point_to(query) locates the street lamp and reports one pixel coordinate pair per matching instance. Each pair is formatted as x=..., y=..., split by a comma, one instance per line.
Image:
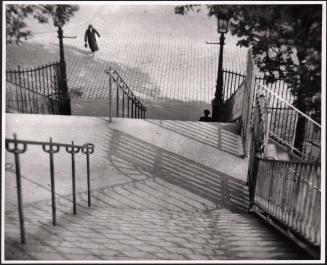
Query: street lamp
x=223, y=22
x=65, y=107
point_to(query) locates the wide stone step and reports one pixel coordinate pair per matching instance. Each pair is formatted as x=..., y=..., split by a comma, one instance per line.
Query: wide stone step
x=106, y=233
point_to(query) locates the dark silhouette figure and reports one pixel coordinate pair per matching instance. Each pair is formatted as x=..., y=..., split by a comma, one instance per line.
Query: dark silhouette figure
x=91, y=39
x=206, y=116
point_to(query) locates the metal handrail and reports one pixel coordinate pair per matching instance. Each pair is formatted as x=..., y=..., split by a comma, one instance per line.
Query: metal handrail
x=137, y=109
x=32, y=91
x=288, y=104
x=285, y=123
x=129, y=91
x=22, y=99
x=41, y=79
x=18, y=147
x=32, y=69
x=232, y=81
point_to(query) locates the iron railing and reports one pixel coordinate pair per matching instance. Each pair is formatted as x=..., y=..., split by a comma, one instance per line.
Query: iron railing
x=18, y=147
x=283, y=124
x=290, y=193
x=127, y=104
x=34, y=90
x=238, y=107
x=284, y=116
x=232, y=81
x=43, y=79
x=284, y=193
x=23, y=100
x=279, y=87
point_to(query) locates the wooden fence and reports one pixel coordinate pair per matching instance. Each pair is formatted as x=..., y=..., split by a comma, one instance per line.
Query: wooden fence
x=291, y=193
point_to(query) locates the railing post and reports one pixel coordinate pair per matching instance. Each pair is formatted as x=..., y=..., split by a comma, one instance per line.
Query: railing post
x=132, y=107
x=117, y=99
x=266, y=136
x=16, y=152
x=253, y=180
x=51, y=151
x=123, y=104
x=24, y=106
x=88, y=149
x=73, y=150
x=110, y=93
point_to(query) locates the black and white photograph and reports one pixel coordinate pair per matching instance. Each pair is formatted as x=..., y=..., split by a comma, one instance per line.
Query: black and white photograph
x=163, y=132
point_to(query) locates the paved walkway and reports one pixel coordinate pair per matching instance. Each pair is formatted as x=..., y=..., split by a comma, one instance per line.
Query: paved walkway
x=161, y=190
x=163, y=58
x=108, y=233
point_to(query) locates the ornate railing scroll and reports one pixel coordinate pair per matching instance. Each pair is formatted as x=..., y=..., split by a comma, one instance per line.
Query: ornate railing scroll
x=18, y=147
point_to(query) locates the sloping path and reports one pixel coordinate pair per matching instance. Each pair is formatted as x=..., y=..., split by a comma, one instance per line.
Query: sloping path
x=162, y=190
x=162, y=56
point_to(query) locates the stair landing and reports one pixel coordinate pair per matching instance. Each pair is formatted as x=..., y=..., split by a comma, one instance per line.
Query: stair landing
x=161, y=190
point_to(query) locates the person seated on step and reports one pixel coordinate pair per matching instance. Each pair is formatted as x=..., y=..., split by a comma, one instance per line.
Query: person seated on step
x=206, y=116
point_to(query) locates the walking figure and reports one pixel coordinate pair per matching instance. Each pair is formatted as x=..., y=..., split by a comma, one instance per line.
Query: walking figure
x=91, y=39
x=206, y=116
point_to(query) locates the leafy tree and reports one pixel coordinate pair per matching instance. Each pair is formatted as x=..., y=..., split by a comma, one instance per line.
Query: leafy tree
x=276, y=33
x=16, y=14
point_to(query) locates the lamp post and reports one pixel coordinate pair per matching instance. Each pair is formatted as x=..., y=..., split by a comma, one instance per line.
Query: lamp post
x=64, y=101
x=218, y=100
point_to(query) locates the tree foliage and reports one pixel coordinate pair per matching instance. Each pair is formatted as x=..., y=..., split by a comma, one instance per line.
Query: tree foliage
x=277, y=34
x=16, y=15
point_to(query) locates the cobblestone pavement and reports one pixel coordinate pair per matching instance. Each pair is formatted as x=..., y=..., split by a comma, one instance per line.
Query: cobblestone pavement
x=158, y=62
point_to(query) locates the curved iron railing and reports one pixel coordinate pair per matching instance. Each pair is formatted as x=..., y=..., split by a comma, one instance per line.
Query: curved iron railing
x=18, y=147
x=23, y=100
x=232, y=81
x=127, y=104
x=42, y=79
x=35, y=90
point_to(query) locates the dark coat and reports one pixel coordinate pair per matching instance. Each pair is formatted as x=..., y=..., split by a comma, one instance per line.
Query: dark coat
x=205, y=118
x=90, y=37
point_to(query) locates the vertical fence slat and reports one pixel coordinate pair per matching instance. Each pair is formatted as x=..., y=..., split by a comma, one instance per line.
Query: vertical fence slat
x=290, y=192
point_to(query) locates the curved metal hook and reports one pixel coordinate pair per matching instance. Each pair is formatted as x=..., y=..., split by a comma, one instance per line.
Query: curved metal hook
x=53, y=148
x=88, y=148
x=15, y=149
x=73, y=149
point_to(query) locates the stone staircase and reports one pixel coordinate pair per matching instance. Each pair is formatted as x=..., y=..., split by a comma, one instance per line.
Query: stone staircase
x=104, y=232
x=162, y=190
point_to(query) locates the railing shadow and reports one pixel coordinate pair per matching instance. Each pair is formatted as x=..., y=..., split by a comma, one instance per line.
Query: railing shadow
x=183, y=214
x=220, y=189
x=221, y=136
